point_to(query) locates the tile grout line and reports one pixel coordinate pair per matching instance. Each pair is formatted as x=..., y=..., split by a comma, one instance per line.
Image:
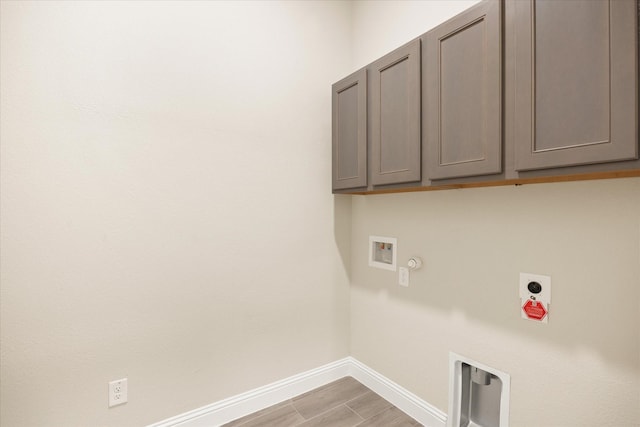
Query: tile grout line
x=267, y=411
x=362, y=419
x=361, y=393
x=329, y=410
x=372, y=415
x=317, y=415
x=377, y=413
x=298, y=412
x=330, y=385
x=359, y=416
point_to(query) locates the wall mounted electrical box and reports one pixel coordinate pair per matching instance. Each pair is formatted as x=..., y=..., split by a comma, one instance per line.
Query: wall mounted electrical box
x=383, y=252
x=535, y=297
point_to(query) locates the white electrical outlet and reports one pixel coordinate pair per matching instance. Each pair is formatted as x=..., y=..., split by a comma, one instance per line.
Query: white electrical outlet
x=117, y=392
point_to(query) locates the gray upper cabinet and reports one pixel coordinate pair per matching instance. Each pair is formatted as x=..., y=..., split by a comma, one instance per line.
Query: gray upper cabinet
x=349, y=131
x=576, y=86
x=462, y=122
x=506, y=92
x=395, y=116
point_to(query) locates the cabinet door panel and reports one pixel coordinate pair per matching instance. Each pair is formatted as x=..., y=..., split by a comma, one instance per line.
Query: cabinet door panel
x=395, y=116
x=349, y=104
x=463, y=97
x=576, y=82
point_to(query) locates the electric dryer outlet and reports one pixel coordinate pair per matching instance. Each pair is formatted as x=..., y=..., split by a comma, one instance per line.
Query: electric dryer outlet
x=535, y=297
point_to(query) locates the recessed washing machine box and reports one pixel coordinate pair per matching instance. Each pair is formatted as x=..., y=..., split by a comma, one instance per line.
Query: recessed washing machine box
x=478, y=394
x=383, y=252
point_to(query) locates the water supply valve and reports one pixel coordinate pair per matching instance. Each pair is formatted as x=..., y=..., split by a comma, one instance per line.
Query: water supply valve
x=414, y=263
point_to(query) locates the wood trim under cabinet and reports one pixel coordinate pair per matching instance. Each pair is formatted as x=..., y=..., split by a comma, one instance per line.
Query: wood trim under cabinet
x=633, y=173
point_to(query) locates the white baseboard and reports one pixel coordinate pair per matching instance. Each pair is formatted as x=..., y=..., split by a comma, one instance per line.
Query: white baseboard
x=226, y=410
x=409, y=403
x=243, y=404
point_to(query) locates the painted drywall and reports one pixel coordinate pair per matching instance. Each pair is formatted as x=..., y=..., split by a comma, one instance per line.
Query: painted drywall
x=583, y=368
x=380, y=26
x=166, y=207
x=165, y=216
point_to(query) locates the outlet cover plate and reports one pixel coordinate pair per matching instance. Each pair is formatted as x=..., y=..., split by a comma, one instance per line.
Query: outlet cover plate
x=118, y=393
x=403, y=276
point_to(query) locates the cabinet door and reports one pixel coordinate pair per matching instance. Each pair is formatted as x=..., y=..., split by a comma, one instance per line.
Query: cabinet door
x=463, y=94
x=349, y=131
x=395, y=116
x=575, y=82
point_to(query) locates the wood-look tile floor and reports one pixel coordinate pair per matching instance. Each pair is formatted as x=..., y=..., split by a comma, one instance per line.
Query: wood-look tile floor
x=342, y=403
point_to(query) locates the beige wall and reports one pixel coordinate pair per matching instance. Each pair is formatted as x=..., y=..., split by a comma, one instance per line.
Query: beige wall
x=166, y=212
x=166, y=216
x=583, y=368
x=379, y=26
